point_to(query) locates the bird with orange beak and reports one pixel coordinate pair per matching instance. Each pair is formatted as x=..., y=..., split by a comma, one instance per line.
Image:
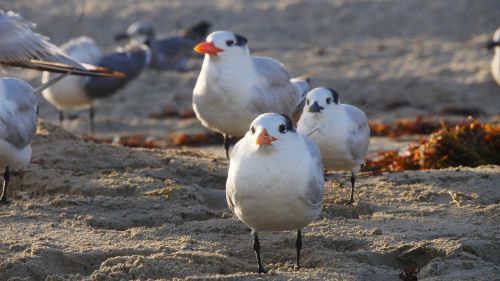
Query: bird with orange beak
x=233, y=87
x=275, y=179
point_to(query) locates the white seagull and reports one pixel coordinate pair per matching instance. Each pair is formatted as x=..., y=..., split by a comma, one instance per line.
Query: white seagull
x=233, y=87
x=77, y=92
x=340, y=130
x=275, y=179
x=18, y=117
x=495, y=63
x=21, y=47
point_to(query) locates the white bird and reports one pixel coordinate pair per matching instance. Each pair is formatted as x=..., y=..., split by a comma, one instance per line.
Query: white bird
x=233, y=87
x=21, y=47
x=275, y=179
x=18, y=117
x=77, y=92
x=495, y=63
x=340, y=130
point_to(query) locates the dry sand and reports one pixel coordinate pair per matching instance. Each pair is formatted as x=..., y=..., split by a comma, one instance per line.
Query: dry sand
x=86, y=211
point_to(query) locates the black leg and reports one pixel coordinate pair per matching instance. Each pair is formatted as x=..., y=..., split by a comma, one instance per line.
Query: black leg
x=61, y=116
x=298, y=245
x=256, y=248
x=226, y=145
x=353, y=181
x=6, y=178
x=91, y=119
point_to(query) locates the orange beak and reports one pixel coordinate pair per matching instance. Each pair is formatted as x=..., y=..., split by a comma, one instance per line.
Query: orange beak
x=264, y=138
x=207, y=48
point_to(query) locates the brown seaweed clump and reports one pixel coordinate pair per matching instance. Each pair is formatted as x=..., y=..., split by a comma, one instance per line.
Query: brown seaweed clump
x=469, y=143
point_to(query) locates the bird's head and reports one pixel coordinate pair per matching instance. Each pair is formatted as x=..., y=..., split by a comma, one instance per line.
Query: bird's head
x=321, y=100
x=269, y=130
x=223, y=44
x=495, y=42
x=140, y=32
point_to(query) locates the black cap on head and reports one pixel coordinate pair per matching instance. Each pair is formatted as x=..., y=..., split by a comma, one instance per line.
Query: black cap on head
x=289, y=127
x=335, y=95
x=240, y=40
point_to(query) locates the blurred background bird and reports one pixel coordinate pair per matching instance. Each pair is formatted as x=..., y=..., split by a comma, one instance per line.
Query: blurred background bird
x=78, y=92
x=169, y=52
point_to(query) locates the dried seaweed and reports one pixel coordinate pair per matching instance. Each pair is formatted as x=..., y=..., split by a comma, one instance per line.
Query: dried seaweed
x=469, y=143
x=421, y=125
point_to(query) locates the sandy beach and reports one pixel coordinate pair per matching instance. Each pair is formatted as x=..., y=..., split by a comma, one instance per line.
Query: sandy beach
x=91, y=211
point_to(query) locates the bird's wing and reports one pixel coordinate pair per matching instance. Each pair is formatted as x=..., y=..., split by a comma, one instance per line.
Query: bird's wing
x=314, y=193
x=360, y=135
x=18, y=42
x=18, y=112
x=83, y=49
x=130, y=63
x=275, y=91
x=21, y=47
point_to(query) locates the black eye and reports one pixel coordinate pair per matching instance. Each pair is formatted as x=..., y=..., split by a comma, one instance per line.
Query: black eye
x=282, y=128
x=229, y=43
x=253, y=130
x=328, y=100
x=307, y=101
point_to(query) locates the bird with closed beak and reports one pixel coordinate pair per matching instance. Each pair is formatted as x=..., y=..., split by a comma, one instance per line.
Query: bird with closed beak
x=233, y=87
x=340, y=130
x=275, y=179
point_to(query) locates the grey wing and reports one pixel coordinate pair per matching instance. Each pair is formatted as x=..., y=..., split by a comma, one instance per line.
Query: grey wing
x=360, y=136
x=275, y=93
x=230, y=195
x=316, y=180
x=18, y=42
x=18, y=122
x=129, y=63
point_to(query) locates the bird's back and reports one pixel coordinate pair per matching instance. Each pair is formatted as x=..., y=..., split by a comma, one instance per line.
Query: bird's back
x=131, y=63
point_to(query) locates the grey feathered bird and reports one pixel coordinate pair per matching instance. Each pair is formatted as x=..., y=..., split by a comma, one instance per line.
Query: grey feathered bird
x=18, y=117
x=169, y=52
x=74, y=92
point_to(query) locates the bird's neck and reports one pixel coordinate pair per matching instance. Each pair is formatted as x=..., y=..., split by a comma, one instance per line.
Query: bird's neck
x=235, y=71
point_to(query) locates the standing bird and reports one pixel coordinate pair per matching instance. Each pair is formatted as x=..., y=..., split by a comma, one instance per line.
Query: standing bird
x=18, y=117
x=75, y=92
x=275, y=179
x=233, y=87
x=340, y=130
x=169, y=52
x=495, y=63
x=21, y=47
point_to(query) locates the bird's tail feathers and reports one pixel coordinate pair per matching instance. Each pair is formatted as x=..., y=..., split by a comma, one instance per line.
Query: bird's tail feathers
x=198, y=31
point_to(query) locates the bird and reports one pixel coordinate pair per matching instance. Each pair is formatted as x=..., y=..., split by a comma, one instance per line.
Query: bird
x=275, y=179
x=494, y=44
x=169, y=52
x=341, y=131
x=18, y=118
x=77, y=92
x=21, y=47
x=234, y=87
